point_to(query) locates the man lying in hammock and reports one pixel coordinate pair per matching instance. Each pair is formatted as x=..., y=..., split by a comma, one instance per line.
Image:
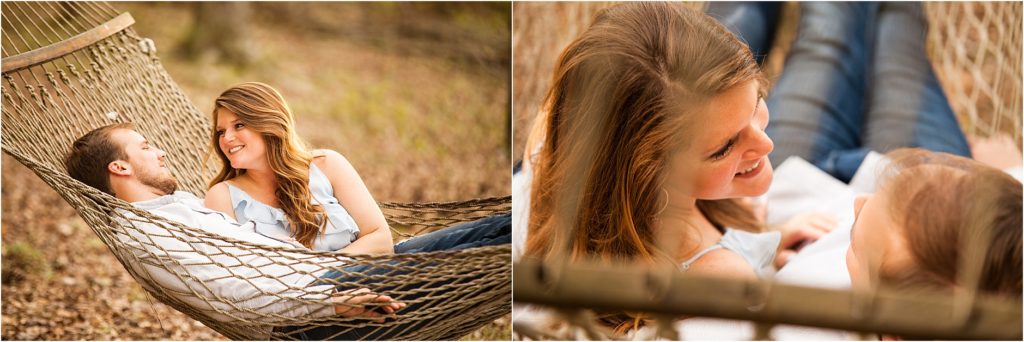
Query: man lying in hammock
x=119, y=161
x=223, y=280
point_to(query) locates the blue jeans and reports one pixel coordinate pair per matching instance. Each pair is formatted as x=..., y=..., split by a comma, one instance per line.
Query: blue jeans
x=856, y=79
x=489, y=231
x=752, y=22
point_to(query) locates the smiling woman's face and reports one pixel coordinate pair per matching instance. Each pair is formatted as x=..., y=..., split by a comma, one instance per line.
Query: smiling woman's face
x=243, y=146
x=728, y=156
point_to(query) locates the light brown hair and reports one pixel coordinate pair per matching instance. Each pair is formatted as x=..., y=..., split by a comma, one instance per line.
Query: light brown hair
x=957, y=217
x=622, y=93
x=262, y=108
x=90, y=154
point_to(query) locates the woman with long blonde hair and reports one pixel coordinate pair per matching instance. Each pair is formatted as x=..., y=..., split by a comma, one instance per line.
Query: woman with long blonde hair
x=313, y=199
x=652, y=128
x=270, y=177
x=653, y=125
x=316, y=199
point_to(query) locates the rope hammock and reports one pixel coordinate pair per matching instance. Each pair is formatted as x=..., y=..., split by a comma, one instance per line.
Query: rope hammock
x=975, y=49
x=70, y=67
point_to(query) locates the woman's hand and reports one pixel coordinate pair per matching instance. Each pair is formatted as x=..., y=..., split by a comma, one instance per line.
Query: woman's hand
x=999, y=151
x=350, y=304
x=800, y=231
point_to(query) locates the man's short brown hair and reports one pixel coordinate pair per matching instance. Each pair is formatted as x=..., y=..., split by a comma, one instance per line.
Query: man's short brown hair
x=87, y=162
x=947, y=208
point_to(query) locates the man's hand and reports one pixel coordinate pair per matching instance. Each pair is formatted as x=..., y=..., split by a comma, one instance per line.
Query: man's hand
x=351, y=304
x=999, y=151
x=800, y=231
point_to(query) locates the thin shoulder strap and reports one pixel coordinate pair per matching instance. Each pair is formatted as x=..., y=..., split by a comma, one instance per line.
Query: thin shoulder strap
x=312, y=167
x=686, y=264
x=319, y=175
x=237, y=195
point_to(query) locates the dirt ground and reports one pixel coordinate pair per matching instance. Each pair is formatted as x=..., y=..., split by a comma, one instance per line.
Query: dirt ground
x=420, y=109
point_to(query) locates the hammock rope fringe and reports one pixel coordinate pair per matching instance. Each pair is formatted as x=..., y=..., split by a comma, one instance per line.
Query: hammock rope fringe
x=70, y=67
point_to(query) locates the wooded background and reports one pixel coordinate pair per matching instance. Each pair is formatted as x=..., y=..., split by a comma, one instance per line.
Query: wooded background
x=415, y=95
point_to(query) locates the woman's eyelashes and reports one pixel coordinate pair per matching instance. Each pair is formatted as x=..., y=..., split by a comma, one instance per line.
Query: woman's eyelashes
x=724, y=151
x=721, y=153
x=220, y=132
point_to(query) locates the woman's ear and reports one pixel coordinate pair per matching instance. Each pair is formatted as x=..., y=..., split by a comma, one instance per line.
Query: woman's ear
x=119, y=167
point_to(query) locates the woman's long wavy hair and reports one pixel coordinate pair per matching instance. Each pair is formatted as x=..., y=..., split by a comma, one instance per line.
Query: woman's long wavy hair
x=619, y=105
x=262, y=108
x=621, y=101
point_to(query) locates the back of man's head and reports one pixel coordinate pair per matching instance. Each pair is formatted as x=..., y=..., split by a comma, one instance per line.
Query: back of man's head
x=87, y=162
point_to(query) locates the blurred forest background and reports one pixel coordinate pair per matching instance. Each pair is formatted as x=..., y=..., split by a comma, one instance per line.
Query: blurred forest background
x=415, y=95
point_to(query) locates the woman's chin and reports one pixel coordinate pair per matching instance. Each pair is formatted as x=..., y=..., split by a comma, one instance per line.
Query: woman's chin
x=756, y=186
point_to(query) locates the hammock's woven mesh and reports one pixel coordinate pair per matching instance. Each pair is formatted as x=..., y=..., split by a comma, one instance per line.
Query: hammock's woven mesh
x=50, y=102
x=975, y=48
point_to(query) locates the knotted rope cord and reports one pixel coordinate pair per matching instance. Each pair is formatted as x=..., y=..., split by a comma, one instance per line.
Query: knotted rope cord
x=54, y=99
x=433, y=215
x=975, y=49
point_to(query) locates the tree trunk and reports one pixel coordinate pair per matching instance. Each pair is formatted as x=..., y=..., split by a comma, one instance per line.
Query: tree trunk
x=221, y=33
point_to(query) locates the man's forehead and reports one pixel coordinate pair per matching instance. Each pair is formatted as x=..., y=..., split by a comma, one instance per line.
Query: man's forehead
x=128, y=136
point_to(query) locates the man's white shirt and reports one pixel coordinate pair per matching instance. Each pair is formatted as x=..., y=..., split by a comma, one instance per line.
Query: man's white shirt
x=239, y=283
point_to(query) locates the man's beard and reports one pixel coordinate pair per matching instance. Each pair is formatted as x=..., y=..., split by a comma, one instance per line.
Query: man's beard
x=167, y=184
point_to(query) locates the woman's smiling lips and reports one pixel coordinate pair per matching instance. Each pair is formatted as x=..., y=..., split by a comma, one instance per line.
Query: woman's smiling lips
x=753, y=170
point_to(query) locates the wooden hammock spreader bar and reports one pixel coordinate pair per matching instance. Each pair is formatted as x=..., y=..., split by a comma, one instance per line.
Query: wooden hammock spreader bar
x=67, y=46
x=919, y=315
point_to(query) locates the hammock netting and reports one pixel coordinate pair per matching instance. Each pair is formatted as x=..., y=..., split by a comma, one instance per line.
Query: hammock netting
x=975, y=49
x=70, y=67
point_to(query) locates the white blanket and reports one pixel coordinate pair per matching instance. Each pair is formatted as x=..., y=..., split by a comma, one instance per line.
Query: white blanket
x=800, y=187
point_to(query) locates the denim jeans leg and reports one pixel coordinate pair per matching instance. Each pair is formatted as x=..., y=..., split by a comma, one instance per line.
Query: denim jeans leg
x=817, y=105
x=491, y=230
x=488, y=231
x=907, y=105
x=753, y=22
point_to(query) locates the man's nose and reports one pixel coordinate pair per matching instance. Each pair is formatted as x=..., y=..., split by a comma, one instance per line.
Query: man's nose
x=858, y=203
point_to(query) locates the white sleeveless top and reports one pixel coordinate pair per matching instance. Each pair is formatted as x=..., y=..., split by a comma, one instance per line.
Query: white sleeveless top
x=273, y=223
x=758, y=249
